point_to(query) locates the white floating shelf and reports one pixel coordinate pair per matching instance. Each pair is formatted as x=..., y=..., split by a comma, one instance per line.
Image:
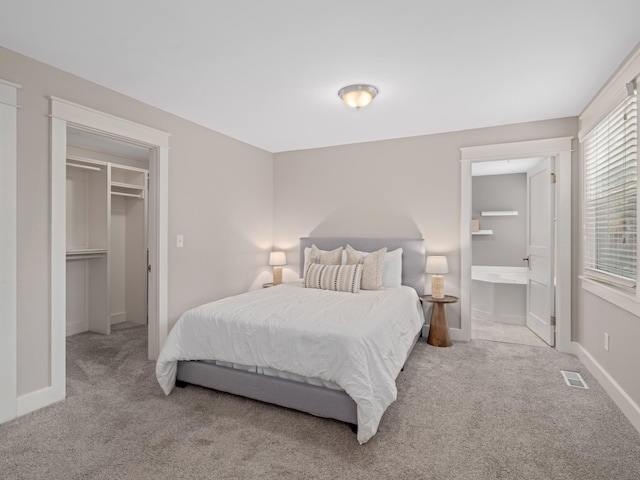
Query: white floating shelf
x=500, y=213
x=483, y=232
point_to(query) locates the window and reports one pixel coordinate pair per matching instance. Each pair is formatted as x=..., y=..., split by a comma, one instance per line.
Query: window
x=610, y=196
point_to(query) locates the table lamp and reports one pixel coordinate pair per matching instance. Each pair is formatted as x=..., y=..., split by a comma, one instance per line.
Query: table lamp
x=437, y=266
x=276, y=260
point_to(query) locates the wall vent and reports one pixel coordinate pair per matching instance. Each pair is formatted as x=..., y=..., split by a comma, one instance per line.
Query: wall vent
x=573, y=379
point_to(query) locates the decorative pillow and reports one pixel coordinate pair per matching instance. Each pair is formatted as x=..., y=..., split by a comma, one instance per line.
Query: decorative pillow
x=372, y=266
x=307, y=250
x=341, y=278
x=392, y=269
x=333, y=257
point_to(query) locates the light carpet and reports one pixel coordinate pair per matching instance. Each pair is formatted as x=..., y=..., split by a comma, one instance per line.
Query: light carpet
x=477, y=410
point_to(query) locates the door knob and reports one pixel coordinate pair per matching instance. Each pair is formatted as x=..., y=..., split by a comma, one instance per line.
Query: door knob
x=526, y=259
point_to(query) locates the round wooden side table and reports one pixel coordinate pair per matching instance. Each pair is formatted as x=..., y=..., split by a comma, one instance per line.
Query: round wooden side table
x=438, y=329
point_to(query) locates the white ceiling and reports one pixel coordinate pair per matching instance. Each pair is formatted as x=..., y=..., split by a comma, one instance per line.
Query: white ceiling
x=268, y=72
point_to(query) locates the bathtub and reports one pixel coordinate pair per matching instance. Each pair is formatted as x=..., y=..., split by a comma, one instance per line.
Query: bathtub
x=499, y=294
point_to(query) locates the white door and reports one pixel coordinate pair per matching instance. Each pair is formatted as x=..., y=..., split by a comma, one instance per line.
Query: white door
x=540, y=250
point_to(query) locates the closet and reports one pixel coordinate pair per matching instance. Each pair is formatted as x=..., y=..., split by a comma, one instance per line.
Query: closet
x=106, y=222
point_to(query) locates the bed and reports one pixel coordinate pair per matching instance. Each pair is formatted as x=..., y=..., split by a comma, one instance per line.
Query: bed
x=303, y=348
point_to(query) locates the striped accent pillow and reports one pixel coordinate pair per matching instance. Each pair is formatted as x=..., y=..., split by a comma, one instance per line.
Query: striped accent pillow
x=341, y=278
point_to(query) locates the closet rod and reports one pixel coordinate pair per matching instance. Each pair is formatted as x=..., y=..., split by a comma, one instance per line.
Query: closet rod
x=84, y=257
x=127, y=194
x=86, y=167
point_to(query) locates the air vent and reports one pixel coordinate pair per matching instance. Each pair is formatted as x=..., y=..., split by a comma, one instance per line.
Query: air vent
x=573, y=379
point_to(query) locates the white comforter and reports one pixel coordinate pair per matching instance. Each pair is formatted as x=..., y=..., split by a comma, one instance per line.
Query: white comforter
x=358, y=341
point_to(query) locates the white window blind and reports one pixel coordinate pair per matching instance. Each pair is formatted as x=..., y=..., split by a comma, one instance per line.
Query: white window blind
x=610, y=196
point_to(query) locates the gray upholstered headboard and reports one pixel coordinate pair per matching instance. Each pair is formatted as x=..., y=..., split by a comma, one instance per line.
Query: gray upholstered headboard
x=413, y=253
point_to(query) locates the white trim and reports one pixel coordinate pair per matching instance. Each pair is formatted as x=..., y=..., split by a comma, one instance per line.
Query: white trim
x=603, y=110
x=620, y=298
x=561, y=148
x=86, y=118
x=11, y=85
x=610, y=278
x=604, y=101
x=158, y=242
x=465, y=250
x=67, y=114
x=30, y=402
x=624, y=402
x=563, y=246
x=8, y=250
x=57, y=282
x=514, y=150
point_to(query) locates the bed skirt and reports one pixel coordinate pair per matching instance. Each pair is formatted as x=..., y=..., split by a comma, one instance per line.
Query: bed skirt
x=316, y=400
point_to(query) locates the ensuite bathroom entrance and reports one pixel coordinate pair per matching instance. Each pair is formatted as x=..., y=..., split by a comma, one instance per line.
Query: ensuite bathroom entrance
x=513, y=251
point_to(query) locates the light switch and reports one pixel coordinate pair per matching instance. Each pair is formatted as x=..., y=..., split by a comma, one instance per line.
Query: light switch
x=180, y=241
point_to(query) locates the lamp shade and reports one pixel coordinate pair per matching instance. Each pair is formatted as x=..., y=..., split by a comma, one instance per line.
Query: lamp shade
x=277, y=258
x=437, y=265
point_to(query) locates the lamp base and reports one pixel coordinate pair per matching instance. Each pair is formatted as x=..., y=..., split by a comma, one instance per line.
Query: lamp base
x=277, y=275
x=437, y=286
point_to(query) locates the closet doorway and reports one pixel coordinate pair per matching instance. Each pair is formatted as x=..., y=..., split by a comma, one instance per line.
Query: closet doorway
x=106, y=233
x=66, y=117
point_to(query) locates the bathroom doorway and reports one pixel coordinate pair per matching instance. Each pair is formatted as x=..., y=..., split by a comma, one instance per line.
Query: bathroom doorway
x=559, y=270
x=507, y=196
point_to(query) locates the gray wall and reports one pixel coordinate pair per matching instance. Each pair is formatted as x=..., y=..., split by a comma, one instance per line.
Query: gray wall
x=596, y=315
x=508, y=243
x=394, y=188
x=220, y=198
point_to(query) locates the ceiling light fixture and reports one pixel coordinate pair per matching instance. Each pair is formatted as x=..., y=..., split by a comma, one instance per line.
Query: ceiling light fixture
x=358, y=96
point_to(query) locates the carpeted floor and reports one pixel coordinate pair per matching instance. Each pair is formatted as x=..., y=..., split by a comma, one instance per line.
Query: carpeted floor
x=478, y=410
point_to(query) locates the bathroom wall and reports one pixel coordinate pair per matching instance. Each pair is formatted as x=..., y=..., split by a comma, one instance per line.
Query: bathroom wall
x=508, y=243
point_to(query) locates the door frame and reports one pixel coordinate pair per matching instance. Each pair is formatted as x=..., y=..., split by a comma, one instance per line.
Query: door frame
x=562, y=150
x=8, y=250
x=67, y=114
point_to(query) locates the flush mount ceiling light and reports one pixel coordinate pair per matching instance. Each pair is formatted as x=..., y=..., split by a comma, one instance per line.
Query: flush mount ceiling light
x=358, y=96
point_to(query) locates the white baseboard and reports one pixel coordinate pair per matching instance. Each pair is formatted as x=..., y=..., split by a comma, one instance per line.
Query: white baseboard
x=511, y=320
x=480, y=314
x=119, y=317
x=615, y=391
x=8, y=410
x=456, y=335
x=33, y=401
x=425, y=331
x=75, y=328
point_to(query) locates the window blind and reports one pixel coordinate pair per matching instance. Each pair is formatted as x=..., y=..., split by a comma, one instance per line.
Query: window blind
x=610, y=153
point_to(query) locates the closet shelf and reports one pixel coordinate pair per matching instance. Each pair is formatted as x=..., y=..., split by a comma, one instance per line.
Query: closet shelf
x=483, y=232
x=127, y=185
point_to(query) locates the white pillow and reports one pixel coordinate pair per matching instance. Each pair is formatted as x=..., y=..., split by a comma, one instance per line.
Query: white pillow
x=391, y=269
